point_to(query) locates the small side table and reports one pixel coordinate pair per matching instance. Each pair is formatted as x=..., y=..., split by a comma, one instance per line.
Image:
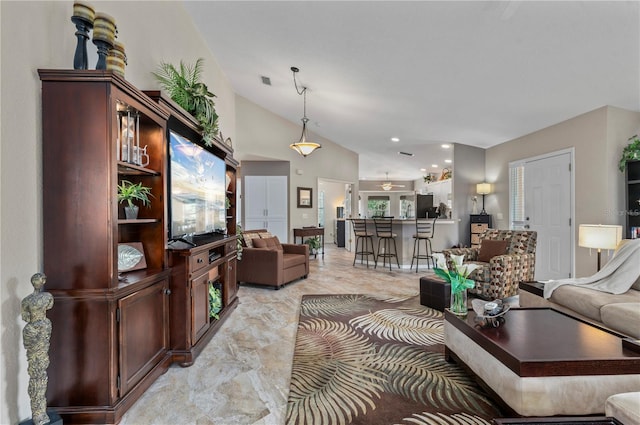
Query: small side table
x=309, y=231
x=435, y=293
x=479, y=223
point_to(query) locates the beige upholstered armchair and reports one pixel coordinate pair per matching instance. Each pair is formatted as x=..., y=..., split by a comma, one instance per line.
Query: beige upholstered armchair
x=506, y=259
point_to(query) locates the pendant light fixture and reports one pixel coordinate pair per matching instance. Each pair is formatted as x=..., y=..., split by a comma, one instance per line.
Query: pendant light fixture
x=303, y=146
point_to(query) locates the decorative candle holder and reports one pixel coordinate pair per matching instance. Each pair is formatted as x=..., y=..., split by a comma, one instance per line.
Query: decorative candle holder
x=83, y=16
x=117, y=59
x=104, y=35
x=103, y=51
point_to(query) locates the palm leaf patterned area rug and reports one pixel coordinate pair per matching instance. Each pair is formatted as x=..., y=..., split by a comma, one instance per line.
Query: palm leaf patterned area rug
x=363, y=359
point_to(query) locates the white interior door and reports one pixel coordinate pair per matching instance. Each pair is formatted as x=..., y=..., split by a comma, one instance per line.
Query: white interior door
x=547, y=206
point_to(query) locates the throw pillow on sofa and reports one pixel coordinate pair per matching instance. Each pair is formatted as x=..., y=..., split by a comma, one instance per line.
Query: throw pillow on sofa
x=269, y=243
x=491, y=248
x=248, y=239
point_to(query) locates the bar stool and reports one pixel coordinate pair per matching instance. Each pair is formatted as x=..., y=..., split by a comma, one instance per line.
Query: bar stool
x=425, y=229
x=363, y=237
x=385, y=236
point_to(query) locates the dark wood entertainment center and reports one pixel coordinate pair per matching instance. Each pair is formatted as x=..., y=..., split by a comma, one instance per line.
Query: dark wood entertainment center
x=115, y=333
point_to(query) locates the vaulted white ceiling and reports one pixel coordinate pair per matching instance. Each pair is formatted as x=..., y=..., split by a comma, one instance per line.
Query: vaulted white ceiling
x=428, y=72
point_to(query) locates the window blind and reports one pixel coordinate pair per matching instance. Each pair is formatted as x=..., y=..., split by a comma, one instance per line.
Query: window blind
x=516, y=196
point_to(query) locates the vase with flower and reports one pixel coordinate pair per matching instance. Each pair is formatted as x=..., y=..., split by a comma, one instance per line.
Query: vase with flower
x=457, y=278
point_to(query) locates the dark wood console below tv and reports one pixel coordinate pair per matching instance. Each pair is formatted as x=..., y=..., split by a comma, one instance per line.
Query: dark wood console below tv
x=193, y=269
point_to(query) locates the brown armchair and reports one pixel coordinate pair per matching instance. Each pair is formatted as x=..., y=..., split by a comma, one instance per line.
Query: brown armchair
x=500, y=276
x=266, y=261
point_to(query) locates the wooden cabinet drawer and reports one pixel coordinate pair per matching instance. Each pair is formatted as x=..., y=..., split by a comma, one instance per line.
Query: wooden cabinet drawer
x=479, y=227
x=480, y=218
x=199, y=261
x=230, y=247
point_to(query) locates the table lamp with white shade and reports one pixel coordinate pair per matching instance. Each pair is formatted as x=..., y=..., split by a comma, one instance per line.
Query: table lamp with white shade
x=483, y=189
x=599, y=236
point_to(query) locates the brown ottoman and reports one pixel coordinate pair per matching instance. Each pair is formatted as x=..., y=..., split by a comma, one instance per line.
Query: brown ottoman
x=435, y=293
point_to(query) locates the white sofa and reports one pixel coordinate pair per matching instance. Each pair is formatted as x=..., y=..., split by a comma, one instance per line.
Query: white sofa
x=620, y=313
x=625, y=407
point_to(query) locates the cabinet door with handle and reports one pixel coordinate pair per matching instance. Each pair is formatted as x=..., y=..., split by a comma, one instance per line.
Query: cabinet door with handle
x=230, y=290
x=143, y=332
x=200, y=303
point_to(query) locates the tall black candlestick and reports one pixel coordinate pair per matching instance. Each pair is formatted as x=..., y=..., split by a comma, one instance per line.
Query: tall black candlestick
x=103, y=51
x=80, y=59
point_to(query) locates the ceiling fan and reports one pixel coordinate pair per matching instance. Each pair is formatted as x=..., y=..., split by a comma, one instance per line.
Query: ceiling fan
x=387, y=185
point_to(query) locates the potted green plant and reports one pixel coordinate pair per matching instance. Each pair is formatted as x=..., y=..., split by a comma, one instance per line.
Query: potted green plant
x=314, y=244
x=129, y=192
x=185, y=88
x=215, y=301
x=630, y=152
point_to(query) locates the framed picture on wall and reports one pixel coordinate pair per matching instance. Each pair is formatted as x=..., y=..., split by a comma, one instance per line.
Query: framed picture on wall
x=304, y=197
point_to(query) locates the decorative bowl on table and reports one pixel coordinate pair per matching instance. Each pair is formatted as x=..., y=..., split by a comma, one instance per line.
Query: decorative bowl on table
x=489, y=313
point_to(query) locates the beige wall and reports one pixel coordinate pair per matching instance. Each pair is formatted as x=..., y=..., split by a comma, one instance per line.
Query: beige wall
x=48, y=41
x=597, y=138
x=264, y=136
x=469, y=170
x=621, y=124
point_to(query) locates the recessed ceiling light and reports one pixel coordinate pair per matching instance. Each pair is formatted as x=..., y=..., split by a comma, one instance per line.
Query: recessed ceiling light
x=423, y=169
x=395, y=139
x=445, y=146
x=434, y=165
x=448, y=161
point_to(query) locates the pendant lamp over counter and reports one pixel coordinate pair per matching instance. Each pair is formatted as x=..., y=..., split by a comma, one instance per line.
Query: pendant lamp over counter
x=303, y=146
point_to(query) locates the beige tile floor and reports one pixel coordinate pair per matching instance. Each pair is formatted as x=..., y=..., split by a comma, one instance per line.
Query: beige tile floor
x=242, y=376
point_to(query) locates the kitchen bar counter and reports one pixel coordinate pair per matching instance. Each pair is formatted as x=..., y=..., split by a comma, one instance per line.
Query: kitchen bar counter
x=445, y=236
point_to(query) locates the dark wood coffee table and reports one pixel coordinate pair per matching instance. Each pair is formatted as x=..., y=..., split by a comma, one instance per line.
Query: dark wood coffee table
x=542, y=362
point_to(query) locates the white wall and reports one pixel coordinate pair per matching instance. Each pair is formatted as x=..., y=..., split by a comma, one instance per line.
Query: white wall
x=40, y=35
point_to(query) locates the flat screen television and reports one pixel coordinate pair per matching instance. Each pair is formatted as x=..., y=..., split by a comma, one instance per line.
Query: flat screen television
x=197, y=191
